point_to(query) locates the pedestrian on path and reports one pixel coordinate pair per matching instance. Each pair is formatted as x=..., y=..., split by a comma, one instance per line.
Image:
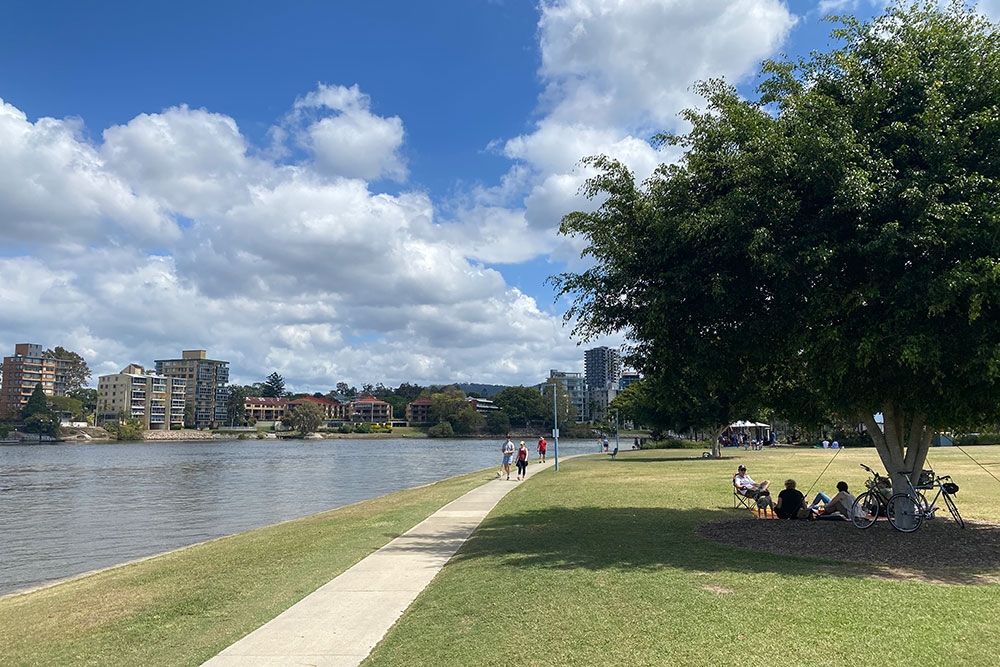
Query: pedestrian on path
x=542, y=446
x=522, y=462
x=508, y=456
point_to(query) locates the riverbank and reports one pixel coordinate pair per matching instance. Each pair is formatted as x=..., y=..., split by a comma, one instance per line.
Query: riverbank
x=601, y=563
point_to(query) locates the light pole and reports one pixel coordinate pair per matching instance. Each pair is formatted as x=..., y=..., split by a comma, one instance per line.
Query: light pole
x=555, y=418
x=616, y=427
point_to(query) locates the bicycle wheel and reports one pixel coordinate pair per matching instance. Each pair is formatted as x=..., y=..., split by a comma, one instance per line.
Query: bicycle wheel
x=954, y=510
x=865, y=510
x=905, y=514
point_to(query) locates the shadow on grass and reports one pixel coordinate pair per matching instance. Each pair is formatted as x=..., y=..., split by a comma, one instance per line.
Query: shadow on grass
x=600, y=538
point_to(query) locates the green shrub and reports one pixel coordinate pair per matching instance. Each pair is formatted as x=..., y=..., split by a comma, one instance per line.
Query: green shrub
x=442, y=430
x=676, y=443
x=977, y=439
x=344, y=428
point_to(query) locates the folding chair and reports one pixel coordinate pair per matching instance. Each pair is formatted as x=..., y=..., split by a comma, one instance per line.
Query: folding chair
x=743, y=499
x=748, y=500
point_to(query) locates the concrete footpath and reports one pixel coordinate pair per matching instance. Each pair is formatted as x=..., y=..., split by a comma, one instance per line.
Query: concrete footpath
x=340, y=623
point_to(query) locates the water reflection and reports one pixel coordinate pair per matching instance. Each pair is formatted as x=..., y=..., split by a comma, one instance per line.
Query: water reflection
x=67, y=509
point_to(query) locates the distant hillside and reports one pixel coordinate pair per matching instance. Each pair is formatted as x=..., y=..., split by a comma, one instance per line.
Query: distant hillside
x=487, y=390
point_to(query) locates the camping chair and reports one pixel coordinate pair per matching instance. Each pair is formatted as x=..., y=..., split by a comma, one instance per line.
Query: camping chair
x=743, y=499
x=748, y=500
x=614, y=454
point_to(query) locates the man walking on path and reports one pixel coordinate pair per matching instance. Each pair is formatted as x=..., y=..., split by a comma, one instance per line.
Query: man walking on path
x=542, y=446
x=508, y=455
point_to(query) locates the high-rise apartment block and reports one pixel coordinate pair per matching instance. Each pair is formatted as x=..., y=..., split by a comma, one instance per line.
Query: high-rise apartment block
x=157, y=401
x=602, y=368
x=23, y=371
x=576, y=387
x=206, y=384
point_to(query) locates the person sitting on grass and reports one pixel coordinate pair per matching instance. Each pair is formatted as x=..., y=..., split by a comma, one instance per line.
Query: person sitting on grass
x=790, y=501
x=840, y=504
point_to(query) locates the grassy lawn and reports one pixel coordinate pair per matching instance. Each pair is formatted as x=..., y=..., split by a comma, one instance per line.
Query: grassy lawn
x=182, y=608
x=600, y=564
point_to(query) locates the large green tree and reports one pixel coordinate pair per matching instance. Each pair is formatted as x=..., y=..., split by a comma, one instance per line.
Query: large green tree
x=274, y=386
x=306, y=418
x=841, y=236
x=75, y=370
x=236, y=410
x=522, y=405
x=37, y=416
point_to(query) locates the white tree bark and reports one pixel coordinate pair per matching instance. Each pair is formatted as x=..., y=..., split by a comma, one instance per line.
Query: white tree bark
x=716, y=431
x=903, y=450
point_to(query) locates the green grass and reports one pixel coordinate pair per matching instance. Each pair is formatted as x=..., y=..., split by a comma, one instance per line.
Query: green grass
x=600, y=564
x=184, y=607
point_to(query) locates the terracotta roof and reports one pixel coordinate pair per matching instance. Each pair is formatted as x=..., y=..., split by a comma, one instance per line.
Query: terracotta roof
x=313, y=399
x=264, y=400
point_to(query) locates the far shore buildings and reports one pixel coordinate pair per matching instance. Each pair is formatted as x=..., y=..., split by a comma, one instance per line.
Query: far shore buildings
x=22, y=371
x=418, y=411
x=602, y=369
x=362, y=409
x=206, y=385
x=156, y=401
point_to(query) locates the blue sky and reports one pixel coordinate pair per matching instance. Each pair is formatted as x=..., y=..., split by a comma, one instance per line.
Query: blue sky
x=359, y=192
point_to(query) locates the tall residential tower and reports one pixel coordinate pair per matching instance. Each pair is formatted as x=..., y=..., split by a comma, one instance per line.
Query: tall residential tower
x=206, y=385
x=602, y=368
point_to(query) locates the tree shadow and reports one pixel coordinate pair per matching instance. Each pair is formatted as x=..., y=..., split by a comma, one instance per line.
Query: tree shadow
x=600, y=538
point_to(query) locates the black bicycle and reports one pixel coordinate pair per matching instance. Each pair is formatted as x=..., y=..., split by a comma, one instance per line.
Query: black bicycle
x=868, y=505
x=907, y=511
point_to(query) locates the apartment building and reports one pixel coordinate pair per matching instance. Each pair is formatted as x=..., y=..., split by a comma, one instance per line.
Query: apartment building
x=332, y=410
x=602, y=369
x=21, y=373
x=418, y=411
x=265, y=408
x=157, y=401
x=206, y=384
x=370, y=409
x=483, y=406
x=576, y=387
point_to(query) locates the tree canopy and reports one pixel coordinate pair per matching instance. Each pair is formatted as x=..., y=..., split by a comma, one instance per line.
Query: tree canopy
x=306, y=418
x=521, y=404
x=274, y=386
x=831, y=246
x=75, y=371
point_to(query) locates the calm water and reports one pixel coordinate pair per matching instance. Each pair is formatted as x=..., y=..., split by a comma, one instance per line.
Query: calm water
x=68, y=509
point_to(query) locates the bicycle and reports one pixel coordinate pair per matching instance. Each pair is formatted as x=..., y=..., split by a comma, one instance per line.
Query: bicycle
x=868, y=505
x=907, y=511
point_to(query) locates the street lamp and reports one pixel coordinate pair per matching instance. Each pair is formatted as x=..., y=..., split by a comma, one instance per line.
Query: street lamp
x=555, y=418
x=616, y=427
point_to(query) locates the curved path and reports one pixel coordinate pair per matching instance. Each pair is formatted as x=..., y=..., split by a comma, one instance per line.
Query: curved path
x=339, y=624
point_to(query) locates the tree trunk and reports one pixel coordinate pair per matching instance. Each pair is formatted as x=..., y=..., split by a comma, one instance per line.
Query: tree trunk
x=716, y=431
x=902, y=447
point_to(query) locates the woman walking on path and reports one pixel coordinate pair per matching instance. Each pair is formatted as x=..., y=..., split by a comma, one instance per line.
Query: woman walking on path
x=522, y=461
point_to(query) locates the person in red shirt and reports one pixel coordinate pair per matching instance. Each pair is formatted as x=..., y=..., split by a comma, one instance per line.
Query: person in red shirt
x=542, y=445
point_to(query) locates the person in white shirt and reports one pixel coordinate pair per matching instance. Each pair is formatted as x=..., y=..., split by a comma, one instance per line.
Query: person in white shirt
x=743, y=481
x=756, y=490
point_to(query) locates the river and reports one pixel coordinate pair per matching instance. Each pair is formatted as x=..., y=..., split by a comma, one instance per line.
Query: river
x=70, y=509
